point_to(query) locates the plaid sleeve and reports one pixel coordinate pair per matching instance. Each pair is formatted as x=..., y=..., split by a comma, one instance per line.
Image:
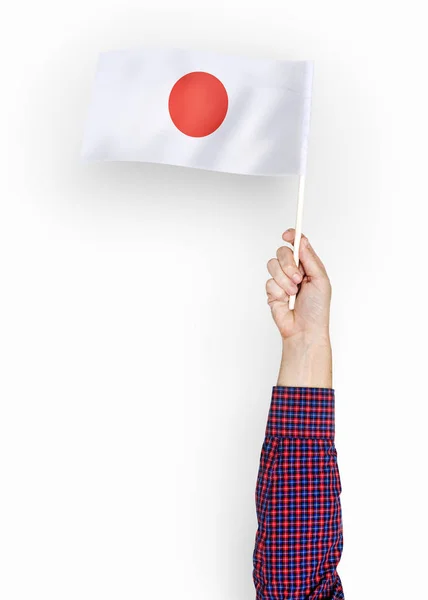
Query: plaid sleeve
x=299, y=536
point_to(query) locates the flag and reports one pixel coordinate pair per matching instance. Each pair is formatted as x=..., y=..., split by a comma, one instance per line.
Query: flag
x=201, y=110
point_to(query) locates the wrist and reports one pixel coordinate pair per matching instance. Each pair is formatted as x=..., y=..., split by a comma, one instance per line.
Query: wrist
x=306, y=360
x=313, y=338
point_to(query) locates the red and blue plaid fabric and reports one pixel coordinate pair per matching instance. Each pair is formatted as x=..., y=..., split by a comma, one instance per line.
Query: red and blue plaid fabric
x=299, y=536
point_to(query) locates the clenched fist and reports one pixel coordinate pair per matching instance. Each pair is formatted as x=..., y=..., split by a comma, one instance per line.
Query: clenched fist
x=306, y=350
x=309, y=281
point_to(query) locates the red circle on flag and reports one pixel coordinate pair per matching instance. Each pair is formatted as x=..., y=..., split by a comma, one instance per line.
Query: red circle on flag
x=198, y=104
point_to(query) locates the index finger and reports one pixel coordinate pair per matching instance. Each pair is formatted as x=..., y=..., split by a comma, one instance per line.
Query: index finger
x=310, y=260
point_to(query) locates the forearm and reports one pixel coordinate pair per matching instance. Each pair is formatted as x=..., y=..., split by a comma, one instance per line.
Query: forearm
x=299, y=538
x=298, y=474
x=306, y=361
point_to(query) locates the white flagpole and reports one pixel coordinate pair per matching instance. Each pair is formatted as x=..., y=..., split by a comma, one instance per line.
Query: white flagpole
x=303, y=160
x=299, y=221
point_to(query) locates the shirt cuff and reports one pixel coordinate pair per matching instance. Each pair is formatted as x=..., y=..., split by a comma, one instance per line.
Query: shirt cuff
x=301, y=412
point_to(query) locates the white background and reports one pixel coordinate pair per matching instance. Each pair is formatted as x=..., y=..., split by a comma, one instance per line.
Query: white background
x=137, y=351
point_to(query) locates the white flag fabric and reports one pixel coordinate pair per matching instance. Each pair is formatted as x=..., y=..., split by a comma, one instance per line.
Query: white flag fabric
x=201, y=110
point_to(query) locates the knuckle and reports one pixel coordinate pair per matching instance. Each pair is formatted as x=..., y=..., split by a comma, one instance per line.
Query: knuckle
x=280, y=252
x=269, y=285
x=271, y=263
x=283, y=253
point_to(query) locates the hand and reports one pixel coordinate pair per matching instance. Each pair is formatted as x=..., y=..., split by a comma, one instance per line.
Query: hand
x=311, y=284
x=306, y=350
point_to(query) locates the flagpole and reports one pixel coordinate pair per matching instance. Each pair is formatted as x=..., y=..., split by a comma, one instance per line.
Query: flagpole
x=298, y=230
x=303, y=161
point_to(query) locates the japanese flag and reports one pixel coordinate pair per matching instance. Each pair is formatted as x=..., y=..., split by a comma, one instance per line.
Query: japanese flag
x=201, y=110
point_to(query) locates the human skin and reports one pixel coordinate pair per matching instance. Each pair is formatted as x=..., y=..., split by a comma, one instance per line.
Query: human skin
x=305, y=331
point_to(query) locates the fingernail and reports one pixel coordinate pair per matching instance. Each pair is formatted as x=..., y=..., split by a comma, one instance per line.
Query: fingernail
x=297, y=277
